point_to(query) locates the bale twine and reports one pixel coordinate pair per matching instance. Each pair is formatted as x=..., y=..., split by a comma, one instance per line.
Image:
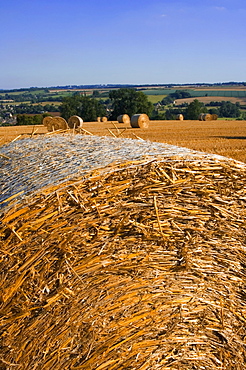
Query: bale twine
x=141, y=266
x=124, y=118
x=75, y=121
x=104, y=119
x=180, y=117
x=140, y=121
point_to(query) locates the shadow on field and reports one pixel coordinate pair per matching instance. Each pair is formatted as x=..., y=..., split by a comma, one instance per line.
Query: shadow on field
x=231, y=137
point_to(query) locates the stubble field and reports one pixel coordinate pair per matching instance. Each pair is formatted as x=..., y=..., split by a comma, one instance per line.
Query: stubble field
x=227, y=138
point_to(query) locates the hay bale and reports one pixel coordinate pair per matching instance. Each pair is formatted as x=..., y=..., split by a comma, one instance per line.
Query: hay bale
x=138, y=267
x=55, y=123
x=200, y=117
x=104, y=119
x=180, y=117
x=75, y=122
x=207, y=117
x=214, y=117
x=46, y=121
x=124, y=118
x=140, y=121
x=98, y=119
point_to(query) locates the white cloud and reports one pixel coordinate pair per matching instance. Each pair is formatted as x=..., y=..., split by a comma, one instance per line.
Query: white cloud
x=220, y=8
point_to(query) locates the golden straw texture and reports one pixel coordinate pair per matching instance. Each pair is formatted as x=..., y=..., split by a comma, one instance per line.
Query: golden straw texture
x=138, y=267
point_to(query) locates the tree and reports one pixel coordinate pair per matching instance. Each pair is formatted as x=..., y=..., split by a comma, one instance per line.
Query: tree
x=228, y=109
x=129, y=101
x=85, y=107
x=194, y=109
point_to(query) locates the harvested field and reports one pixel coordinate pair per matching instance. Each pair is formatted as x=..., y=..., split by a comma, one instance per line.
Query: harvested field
x=208, y=99
x=226, y=138
x=138, y=265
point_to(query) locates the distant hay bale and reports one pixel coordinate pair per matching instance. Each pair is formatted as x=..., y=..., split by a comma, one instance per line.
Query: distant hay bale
x=123, y=118
x=200, y=117
x=46, y=120
x=180, y=117
x=207, y=117
x=140, y=121
x=214, y=117
x=104, y=119
x=98, y=119
x=55, y=123
x=75, y=121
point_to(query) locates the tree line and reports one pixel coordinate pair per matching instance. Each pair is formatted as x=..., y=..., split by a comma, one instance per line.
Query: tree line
x=124, y=101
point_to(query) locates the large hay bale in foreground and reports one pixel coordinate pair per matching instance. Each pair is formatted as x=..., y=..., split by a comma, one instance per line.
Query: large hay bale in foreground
x=124, y=118
x=140, y=121
x=75, y=122
x=140, y=266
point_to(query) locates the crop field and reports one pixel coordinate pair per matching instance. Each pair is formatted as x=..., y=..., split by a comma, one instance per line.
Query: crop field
x=208, y=99
x=227, y=138
x=155, y=98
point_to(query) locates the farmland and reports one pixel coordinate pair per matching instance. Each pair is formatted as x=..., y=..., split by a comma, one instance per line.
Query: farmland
x=226, y=138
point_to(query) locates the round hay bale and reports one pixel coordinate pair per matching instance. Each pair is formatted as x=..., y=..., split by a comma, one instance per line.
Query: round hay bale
x=75, y=121
x=207, y=117
x=104, y=119
x=123, y=118
x=56, y=123
x=133, y=269
x=200, y=117
x=140, y=121
x=46, y=120
x=214, y=117
x=180, y=117
x=98, y=119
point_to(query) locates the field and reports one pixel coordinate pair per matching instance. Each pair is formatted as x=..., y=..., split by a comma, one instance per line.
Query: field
x=227, y=138
x=208, y=99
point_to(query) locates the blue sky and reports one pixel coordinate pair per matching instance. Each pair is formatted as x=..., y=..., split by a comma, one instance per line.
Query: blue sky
x=77, y=42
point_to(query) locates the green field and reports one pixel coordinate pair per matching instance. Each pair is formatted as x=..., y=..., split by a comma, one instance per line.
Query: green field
x=199, y=93
x=155, y=98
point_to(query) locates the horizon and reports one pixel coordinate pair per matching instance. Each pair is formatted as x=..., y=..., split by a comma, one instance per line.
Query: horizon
x=98, y=86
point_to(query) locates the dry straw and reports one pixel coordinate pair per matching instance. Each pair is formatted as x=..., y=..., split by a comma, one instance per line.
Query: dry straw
x=75, y=122
x=140, y=121
x=123, y=118
x=104, y=119
x=140, y=266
